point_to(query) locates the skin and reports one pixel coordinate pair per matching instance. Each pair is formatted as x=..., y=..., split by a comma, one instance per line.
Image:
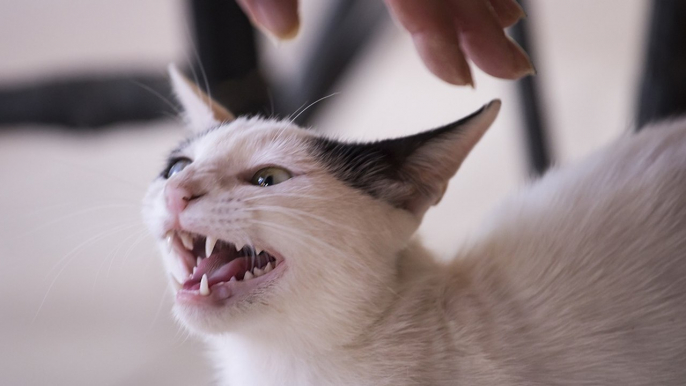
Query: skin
x=446, y=33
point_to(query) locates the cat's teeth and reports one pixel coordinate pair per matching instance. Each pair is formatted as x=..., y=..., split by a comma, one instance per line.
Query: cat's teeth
x=209, y=245
x=186, y=240
x=258, y=250
x=233, y=279
x=179, y=271
x=194, y=269
x=239, y=245
x=175, y=283
x=248, y=276
x=268, y=268
x=170, y=240
x=198, y=260
x=204, y=287
x=258, y=272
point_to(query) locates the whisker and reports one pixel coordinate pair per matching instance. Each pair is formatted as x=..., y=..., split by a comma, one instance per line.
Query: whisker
x=90, y=241
x=312, y=104
x=124, y=201
x=290, y=231
x=271, y=102
x=188, y=335
x=201, y=67
x=71, y=256
x=74, y=214
x=100, y=174
x=294, y=214
x=110, y=256
x=165, y=293
x=295, y=112
x=49, y=207
x=138, y=240
x=190, y=43
x=327, y=246
x=152, y=252
x=140, y=237
x=292, y=195
x=174, y=107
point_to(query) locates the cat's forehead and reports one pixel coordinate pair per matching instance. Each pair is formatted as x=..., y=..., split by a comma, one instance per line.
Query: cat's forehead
x=246, y=139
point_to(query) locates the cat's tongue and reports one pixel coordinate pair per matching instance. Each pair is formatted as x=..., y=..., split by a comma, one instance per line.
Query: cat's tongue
x=218, y=269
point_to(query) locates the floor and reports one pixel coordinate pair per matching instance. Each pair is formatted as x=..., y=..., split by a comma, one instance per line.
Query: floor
x=82, y=294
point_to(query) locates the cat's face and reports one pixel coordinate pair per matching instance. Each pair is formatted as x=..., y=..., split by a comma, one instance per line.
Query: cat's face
x=262, y=224
x=317, y=234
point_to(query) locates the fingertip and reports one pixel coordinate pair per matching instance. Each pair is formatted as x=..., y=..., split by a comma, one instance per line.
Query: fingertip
x=466, y=79
x=276, y=39
x=276, y=18
x=516, y=10
x=522, y=13
x=443, y=57
x=293, y=32
x=455, y=73
x=460, y=80
x=521, y=63
x=508, y=12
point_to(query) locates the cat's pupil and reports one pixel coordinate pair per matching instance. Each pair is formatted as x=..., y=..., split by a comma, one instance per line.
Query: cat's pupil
x=266, y=181
x=270, y=176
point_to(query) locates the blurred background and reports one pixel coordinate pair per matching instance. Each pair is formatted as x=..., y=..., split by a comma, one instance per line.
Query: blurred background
x=86, y=120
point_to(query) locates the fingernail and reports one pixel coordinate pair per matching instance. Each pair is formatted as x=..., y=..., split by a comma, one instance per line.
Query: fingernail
x=467, y=79
x=442, y=56
x=459, y=72
x=518, y=10
x=520, y=61
x=281, y=25
x=459, y=75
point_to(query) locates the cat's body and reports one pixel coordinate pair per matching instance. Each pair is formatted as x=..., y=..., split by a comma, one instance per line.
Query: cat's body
x=578, y=280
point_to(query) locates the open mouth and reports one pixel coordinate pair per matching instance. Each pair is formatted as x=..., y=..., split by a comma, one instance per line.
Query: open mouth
x=207, y=266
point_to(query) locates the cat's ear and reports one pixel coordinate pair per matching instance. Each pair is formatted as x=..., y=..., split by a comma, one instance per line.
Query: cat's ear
x=199, y=110
x=433, y=157
x=409, y=172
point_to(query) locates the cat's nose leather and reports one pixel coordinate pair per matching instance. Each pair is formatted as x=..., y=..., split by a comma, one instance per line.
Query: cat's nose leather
x=178, y=197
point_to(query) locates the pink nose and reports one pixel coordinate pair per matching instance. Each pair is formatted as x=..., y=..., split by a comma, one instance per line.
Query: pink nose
x=177, y=198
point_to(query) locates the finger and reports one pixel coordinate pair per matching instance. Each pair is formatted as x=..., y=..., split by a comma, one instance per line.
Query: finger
x=279, y=17
x=485, y=43
x=508, y=12
x=433, y=34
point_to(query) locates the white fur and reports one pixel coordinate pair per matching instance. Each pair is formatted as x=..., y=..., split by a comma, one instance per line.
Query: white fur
x=200, y=112
x=578, y=280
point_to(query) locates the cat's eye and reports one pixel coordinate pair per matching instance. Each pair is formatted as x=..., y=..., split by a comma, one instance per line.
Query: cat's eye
x=270, y=176
x=176, y=166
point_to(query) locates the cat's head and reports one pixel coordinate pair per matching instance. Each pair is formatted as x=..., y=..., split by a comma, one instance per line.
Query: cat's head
x=300, y=230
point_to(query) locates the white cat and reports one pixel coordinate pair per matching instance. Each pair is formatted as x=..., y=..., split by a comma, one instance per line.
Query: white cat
x=578, y=280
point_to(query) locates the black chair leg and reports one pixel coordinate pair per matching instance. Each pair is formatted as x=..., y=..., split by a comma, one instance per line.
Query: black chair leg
x=528, y=89
x=663, y=90
x=225, y=45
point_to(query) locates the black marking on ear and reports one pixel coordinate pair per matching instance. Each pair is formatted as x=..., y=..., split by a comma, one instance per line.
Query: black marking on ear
x=372, y=167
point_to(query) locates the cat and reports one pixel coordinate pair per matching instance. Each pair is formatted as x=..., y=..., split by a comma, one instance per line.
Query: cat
x=314, y=276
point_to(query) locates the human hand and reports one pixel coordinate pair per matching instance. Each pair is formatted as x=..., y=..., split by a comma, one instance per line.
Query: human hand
x=277, y=17
x=445, y=33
